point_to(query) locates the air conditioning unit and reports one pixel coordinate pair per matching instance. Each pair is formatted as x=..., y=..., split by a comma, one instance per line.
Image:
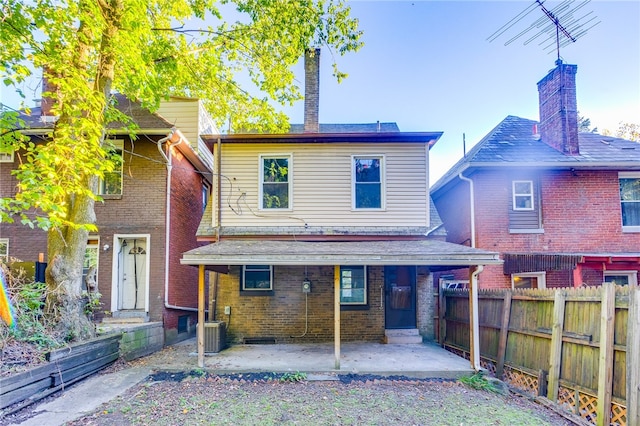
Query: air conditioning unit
x=215, y=336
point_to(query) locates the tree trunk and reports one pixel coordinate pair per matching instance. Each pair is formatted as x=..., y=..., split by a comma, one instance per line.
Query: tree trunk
x=66, y=250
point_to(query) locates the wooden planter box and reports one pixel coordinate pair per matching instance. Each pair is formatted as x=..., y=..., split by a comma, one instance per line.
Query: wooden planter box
x=66, y=366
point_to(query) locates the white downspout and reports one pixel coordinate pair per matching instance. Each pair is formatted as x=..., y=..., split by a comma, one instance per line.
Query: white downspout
x=169, y=162
x=473, y=295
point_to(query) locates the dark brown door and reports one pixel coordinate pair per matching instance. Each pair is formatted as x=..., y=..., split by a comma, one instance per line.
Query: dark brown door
x=400, y=296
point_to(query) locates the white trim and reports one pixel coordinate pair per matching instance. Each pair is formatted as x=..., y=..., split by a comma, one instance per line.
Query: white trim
x=628, y=175
x=262, y=157
x=383, y=181
x=515, y=194
x=632, y=276
x=541, y=276
x=114, y=268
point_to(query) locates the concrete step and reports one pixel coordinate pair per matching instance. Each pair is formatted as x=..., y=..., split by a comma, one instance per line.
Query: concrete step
x=123, y=320
x=402, y=336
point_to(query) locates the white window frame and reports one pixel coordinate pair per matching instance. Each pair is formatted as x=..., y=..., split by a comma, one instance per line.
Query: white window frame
x=257, y=268
x=346, y=286
x=4, y=254
x=383, y=179
x=632, y=276
x=93, y=244
x=516, y=195
x=7, y=156
x=119, y=145
x=289, y=158
x=541, y=276
x=628, y=175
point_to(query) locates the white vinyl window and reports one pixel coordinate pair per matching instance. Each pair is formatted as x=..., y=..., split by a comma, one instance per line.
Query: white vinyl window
x=621, y=277
x=529, y=280
x=6, y=156
x=275, y=181
x=353, y=285
x=367, y=182
x=90, y=264
x=257, y=278
x=4, y=250
x=111, y=183
x=630, y=201
x=523, y=195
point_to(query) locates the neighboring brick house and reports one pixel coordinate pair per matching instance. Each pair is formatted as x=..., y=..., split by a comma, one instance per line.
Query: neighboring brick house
x=562, y=207
x=325, y=234
x=138, y=274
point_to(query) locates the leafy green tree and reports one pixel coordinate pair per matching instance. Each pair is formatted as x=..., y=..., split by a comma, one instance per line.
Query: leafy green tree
x=145, y=50
x=584, y=125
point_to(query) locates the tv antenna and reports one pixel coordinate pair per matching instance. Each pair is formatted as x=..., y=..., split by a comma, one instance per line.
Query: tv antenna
x=557, y=28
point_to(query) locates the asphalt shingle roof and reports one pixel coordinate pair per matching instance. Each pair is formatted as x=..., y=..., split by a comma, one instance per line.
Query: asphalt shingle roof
x=513, y=142
x=349, y=128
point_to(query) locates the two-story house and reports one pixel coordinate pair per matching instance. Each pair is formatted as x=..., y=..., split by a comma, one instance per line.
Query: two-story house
x=324, y=234
x=151, y=209
x=562, y=207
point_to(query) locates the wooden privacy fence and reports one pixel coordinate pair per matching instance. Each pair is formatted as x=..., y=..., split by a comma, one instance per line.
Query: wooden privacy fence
x=578, y=347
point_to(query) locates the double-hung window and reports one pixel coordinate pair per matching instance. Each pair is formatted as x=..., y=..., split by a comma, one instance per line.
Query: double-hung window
x=4, y=250
x=275, y=182
x=111, y=182
x=368, y=181
x=353, y=285
x=257, y=278
x=6, y=155
x=629, y=278
x=529, y=280
x=630, y=200
x=523, y=195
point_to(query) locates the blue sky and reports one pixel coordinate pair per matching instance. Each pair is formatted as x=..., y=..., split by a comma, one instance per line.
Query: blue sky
x=427, y=65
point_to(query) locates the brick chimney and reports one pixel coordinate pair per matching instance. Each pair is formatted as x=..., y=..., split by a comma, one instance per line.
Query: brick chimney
x=48, y=89
x=559, y=109
x=311, y=90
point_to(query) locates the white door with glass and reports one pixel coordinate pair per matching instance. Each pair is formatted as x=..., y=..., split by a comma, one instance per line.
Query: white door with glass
x=131, y=273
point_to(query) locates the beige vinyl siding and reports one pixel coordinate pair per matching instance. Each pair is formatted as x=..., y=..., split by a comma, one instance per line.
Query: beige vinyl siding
x=322, y=187
x=183, y=114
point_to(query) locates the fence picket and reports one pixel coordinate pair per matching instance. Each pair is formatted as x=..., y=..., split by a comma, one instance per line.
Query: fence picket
x=605, y=357
x=633, y=355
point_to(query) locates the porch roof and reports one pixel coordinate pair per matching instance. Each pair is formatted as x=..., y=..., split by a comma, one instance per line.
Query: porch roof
x=394, y=252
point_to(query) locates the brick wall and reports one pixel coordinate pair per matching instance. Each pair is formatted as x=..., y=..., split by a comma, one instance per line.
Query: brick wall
x=580, y=214
x=283, y=314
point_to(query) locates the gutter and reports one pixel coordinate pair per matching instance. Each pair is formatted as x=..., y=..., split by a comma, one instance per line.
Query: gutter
x=472, y=209
x=171, y=142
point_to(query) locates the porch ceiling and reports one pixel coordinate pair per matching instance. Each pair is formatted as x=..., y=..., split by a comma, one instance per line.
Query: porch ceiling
x=418, y=252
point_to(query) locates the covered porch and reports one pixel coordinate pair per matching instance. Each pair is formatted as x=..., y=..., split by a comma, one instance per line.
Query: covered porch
x=429, y=254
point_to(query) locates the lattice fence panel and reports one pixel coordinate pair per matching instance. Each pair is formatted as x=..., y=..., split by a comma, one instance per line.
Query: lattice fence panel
x=567, y=398
x=488, y=365
x=521, y=380
x=588, y=406
x=618, y=415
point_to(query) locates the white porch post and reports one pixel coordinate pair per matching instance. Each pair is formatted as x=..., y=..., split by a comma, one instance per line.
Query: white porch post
x=201, y=316
x=336, y=314
x=474, y=344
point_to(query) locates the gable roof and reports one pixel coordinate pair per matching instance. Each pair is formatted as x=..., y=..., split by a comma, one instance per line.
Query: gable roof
x=146, y=121
x=512, y=143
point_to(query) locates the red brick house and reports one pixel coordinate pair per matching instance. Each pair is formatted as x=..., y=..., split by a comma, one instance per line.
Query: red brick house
x=325, y=233
x=151, y=210
x=562, y=207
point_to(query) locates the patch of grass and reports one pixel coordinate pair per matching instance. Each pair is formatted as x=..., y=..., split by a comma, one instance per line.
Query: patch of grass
x=479, y=381
x=293, y=377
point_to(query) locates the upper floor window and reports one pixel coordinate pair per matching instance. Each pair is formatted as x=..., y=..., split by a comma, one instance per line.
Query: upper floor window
x=630, y=200
x=6, y=156
x=368, y=181
x=525, y=214
x=523, y=195
x=353, y=285
x=275, y=182
x=111, y=183
x=4, y=250
x=257, y=278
